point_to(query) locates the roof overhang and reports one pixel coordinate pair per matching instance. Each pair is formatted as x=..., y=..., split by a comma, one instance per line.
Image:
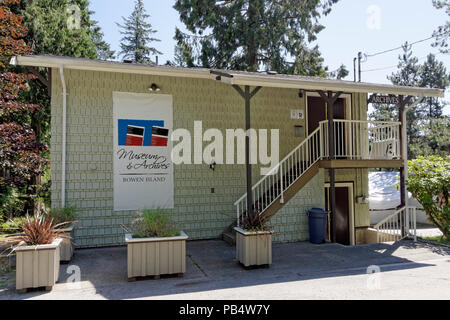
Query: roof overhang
x=228, y=77
x=315, y=84
x=108, y=66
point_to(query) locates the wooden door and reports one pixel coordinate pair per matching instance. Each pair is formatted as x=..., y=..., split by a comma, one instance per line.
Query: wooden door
x=317, y=111
x=342, y=214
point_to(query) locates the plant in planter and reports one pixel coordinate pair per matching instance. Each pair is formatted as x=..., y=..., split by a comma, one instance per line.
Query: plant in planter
x=254, y=242
x=65, y=217
x=155, y=246
x=37, y=254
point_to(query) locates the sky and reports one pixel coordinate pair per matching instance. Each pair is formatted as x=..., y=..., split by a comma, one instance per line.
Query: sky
x=368, y=26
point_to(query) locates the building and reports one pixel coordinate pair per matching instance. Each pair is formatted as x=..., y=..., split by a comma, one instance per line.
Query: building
x=103, y=110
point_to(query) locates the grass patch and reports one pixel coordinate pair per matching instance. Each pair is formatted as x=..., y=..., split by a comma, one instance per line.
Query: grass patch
x=439, y=239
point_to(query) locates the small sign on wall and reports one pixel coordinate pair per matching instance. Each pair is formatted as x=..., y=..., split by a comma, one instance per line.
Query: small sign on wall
x=297, y=114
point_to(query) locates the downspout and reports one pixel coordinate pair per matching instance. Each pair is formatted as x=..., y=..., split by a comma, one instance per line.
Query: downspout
x=63, y=147
x=405, y=145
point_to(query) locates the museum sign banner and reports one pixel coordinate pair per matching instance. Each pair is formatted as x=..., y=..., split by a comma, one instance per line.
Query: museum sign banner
x=143, y=170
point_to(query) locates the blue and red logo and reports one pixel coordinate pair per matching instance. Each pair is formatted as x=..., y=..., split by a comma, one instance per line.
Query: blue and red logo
x=143, y=133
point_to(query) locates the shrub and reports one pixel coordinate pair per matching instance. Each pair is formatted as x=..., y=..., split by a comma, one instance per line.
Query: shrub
x=429, y=183
x=11, y=226
x=62, y=215
x=11, y=205
x=153, y=223
x=254, y=223
x=39, y=229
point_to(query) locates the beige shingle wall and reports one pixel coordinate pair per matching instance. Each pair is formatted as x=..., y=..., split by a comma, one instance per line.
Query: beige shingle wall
x=200, y=213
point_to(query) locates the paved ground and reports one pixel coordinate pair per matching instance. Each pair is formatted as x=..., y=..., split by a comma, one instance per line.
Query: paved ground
x=299, y=271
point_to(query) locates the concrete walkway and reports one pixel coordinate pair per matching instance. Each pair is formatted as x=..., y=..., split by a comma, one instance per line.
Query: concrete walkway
x=426, y=230
x=299, y=271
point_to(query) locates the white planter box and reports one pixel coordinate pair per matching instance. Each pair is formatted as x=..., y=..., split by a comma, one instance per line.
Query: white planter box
x=66, y=248
x=156, y=256
x=253, y=248
x=37, y=266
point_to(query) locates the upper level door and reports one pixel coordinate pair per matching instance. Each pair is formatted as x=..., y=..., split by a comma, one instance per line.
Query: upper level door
x=317, y=111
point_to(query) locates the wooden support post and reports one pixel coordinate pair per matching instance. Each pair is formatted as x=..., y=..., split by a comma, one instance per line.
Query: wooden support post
x=404, y=152
x=332, y=153
x=247, y=95
x=330, y=100
x=403, y=101
x=401, y=108
x=49, y=87
x=247, y=152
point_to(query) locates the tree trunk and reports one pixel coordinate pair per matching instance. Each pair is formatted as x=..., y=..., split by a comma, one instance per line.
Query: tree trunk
x=442, y=229
x=251, y=46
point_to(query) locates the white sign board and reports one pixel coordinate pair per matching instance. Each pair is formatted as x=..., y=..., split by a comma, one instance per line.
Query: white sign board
x=297, y=114
x=143, y=170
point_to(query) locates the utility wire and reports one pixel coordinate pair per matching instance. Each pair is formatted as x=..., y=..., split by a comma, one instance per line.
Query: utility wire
x=395, y=66
x=398, y=48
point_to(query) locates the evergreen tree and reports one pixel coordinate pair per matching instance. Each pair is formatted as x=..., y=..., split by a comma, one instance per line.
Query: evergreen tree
x=252, y=34
x=103, y=48
x=427, y=127
x=442, y=33
x=433, y=74
x=408, y=75
x=340, y=73
x=64, y=28
x=137, y=34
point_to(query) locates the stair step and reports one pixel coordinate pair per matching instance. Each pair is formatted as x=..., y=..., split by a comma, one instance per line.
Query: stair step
x=229, y=237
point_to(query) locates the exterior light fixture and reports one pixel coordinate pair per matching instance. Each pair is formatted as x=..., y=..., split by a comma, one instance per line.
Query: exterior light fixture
x=301, y=93
x=154, y=88
x=212, y=166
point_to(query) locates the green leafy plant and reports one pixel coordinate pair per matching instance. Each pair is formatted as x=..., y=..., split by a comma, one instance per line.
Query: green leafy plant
x=11, y=203
x=429, y=183
x=254, y=223
x=153, y=223
x=38, y=230
x=11, y=226
x=61, y=215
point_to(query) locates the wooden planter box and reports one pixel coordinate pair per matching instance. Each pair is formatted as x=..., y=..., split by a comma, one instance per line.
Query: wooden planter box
x=253, y=248
x=37, y=266
x=156, y=256
x=66, y=248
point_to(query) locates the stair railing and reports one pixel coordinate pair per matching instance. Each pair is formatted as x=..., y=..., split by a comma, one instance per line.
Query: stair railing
x=364, y=140
x=281, y=177
x=400, y=225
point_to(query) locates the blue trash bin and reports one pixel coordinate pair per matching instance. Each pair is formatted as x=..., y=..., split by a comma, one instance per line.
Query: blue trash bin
x=317, y=225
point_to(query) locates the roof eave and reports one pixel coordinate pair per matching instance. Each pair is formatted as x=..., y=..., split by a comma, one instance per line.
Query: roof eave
x=227, y=77
x=107, y=66
x=336, y=86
